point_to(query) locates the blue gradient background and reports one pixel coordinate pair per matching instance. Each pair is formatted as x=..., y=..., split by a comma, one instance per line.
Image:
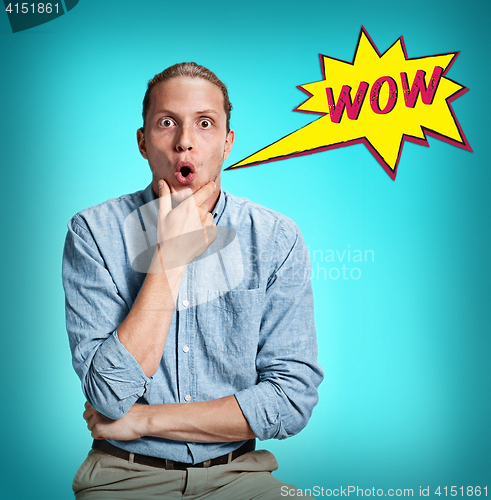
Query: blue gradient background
x=405, y=348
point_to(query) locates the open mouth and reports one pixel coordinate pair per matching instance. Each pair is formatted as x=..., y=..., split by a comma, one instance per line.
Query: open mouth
x=185, y=172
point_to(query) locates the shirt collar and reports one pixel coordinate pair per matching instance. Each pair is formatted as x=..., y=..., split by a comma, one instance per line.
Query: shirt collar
x=219, y=207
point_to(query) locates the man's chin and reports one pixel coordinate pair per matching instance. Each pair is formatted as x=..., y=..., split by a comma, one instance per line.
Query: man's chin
x=185, y=190
x=194, y=186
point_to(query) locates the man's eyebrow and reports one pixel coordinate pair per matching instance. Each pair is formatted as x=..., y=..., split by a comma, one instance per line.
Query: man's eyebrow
x=206, y=111
x=203, y=112
x=164, y=112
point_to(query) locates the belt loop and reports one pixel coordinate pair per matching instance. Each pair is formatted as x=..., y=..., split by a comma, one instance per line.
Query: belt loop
x=206, y=463
x=168, y=464
x=131, y=458
x=229, y=459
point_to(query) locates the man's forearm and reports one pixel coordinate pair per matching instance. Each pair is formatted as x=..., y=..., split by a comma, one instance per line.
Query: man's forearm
x=218, y=420
x=144, y=331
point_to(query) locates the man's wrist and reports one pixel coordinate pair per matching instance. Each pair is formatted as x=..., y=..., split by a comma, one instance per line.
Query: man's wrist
x=142, y=419
x=150, y=420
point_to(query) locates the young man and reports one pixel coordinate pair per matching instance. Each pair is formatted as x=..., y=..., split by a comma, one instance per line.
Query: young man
x=190, y=316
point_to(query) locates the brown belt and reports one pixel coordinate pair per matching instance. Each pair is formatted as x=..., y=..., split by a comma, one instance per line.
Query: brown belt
x=164, y=463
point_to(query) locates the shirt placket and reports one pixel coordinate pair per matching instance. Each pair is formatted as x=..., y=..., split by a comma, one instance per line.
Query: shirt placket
x=185, y=340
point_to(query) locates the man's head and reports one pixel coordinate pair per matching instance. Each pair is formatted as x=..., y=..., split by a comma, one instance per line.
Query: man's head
x=191, y=70
x=186, y=136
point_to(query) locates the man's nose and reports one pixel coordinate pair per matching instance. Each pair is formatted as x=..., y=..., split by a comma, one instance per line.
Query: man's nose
x=184, y=140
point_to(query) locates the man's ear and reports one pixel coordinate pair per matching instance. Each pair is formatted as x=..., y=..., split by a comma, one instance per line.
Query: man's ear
x=142, y=146
x=229, y=142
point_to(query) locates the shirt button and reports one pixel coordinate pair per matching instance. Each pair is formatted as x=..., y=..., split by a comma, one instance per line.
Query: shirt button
x=185, y=303
x=185, y=348
x=187, y=397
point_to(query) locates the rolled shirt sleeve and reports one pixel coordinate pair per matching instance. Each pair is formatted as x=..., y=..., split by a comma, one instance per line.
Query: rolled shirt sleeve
x=281, y=403
x=112, y=380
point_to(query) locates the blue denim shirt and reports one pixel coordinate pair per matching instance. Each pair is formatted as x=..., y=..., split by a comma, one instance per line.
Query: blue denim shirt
x=243, y=323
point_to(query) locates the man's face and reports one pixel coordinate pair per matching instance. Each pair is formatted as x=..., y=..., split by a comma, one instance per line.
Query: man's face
x=186, y=139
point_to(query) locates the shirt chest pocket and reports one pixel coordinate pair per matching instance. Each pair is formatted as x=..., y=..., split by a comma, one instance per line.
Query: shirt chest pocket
x=229, y=321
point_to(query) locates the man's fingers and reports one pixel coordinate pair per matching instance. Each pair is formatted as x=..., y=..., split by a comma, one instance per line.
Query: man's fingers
x=89, y=411
x=93, y=418
x=204, y=193
x=210, y=234
x=210, y=229
x=208, y=219
x=165, y=204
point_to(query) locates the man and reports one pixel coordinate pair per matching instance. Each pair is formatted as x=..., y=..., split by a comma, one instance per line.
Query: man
x=185, y=364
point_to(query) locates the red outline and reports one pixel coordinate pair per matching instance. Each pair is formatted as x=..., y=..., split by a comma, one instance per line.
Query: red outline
x=423, y=142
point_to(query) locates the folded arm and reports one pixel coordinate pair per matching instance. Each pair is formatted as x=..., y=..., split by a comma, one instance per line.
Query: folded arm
x=219, y=420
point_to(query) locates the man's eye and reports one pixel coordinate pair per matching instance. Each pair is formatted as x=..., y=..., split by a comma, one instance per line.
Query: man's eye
x=166, y=123
x=205, y=124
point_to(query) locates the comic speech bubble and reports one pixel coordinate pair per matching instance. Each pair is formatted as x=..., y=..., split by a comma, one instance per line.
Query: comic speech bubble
x=380, y=100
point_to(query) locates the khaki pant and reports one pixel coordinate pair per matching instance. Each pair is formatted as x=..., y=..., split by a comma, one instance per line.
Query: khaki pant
x=248, y=477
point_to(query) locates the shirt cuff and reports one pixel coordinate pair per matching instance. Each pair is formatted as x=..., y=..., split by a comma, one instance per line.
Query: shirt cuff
x=259, y=406
x=119, y=369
